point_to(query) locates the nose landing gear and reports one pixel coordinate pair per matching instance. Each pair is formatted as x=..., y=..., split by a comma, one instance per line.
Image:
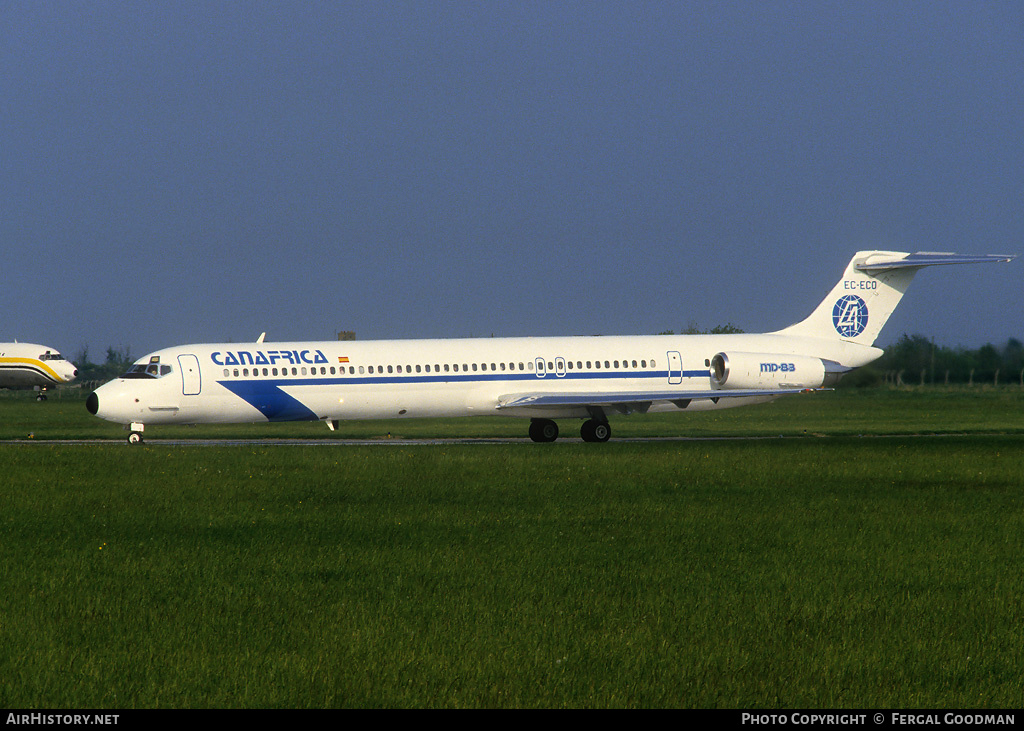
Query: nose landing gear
x=135, y=437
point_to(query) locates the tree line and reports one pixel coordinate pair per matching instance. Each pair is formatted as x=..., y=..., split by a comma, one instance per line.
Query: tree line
x=914, y=360
x=115, y=363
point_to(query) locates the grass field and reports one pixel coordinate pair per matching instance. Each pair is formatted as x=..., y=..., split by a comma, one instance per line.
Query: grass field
x=838, y=413
x=815, y=571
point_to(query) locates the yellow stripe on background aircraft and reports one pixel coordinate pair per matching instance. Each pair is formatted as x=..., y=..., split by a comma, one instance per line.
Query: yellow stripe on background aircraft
x=26, y=365
x=542, y=379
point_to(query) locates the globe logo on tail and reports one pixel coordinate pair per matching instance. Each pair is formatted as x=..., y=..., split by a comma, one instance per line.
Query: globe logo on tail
x=850, y=316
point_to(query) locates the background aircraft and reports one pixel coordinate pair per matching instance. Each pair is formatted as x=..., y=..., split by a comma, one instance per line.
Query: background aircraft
x=542, y=379
x=26, y=365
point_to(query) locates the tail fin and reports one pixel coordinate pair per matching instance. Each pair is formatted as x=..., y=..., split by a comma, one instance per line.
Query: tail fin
x=874, y=282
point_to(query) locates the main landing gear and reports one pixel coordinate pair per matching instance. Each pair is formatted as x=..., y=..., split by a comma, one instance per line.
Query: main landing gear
x=543, y=430
x=593, y=430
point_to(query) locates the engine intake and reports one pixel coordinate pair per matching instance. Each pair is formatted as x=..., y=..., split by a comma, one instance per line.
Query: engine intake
x=766, y=370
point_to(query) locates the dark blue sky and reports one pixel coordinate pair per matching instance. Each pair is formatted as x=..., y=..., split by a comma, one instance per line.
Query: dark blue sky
x=176, y=172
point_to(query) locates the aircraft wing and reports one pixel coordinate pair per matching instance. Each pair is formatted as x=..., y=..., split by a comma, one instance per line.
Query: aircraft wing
x=636, y=401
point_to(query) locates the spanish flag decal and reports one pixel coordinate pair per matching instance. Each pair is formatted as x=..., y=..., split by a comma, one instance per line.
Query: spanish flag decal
x=342, y=359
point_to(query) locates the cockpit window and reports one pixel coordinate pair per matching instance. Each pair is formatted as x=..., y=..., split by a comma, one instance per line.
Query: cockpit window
x=50, y=355
x=147, y=370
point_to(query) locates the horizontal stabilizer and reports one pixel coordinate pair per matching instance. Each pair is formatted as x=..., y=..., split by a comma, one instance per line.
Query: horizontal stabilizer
x=929, y=258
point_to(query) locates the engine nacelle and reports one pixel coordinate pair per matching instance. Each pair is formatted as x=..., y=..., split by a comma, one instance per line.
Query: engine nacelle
x=766, y=370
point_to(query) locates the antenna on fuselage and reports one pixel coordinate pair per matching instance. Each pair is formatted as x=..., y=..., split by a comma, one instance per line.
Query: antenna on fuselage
x=261, y=337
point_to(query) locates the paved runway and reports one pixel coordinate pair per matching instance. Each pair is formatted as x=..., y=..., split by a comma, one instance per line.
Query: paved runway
x=427, y=442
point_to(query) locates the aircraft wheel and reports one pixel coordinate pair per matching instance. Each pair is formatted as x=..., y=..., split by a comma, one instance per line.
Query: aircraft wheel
x=543, y=430
x=595, y=431
x=135, y=438
x=41, y=397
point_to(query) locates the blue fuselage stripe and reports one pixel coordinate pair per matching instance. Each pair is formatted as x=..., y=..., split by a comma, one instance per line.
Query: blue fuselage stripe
x=396, y=379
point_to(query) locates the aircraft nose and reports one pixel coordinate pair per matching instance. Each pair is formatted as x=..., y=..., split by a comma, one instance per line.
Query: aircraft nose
x=92, y=404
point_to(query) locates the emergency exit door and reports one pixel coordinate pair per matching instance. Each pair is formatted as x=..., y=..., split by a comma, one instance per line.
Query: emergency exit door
x=675, y=367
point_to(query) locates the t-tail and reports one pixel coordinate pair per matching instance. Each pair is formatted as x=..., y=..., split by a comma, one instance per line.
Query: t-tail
x=874, y=282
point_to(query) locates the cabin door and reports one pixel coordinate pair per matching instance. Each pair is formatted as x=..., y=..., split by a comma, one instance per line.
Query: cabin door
x=191, y=380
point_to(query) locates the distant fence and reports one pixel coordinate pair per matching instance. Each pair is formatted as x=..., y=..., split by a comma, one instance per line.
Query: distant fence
x=927, y=378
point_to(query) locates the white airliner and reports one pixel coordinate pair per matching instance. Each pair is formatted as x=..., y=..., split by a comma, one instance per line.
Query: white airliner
x=542, y=379
x=25, y=365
